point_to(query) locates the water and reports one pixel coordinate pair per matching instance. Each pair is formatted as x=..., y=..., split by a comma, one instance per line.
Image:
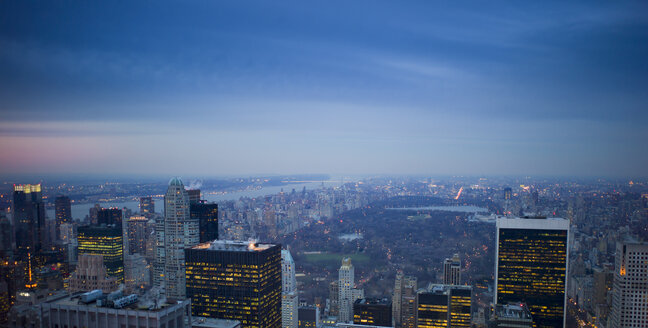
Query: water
x=79, y=211
x=461, y=209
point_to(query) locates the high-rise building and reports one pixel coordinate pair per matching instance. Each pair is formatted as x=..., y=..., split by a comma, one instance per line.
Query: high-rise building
x=207, y=216
x=147, y=206
x=531, y=266
x=404, y=301
x=508, y=192
x=106, y=241
x=91, y=274
x=110, y=216
x=29, y=220
x=236, y=280
x=309, y=317
x=373, y=312
x=137, y=230
x=62, y=211
x=452, y=270
x=334, y=298
x=6, y=238
x=137, y=273
x=444, y=306
x=630, y=287
x=194, y=195
x=175, y=232
x=512, y=316
x=289, y=298
x=346, y=282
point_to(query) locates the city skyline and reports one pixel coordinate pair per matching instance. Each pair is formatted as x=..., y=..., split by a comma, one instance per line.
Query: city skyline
x=360, y=88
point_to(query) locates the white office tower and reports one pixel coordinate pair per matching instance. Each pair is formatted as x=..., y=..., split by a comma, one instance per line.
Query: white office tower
x=630, y=288
x=289, y=298
x=452, y=271
x=175, y=233
x=346, y=283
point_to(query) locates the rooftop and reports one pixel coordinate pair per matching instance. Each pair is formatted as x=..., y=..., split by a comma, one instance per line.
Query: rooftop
x=373, y=301
x=144, y=303
x=203, y=322
x=513, y=311
x=234, y=246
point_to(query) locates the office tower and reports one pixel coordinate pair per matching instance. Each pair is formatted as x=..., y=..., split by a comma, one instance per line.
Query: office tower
x=207, y=216
x=91, y=274
x=62, y=211
x=531, y=266
x=177, y=231
x=6, y=240
x=5, y=302
x=508, y=192
x=66, y=233
x=137, y=274
x=147, y=206
x=512, y=316
x=452, y=271
x=137, y=230
x=630, y=287
x=289, y=298
x=346, y=283
x=106, y=241
x=236, y=280
x=110, y=216
x=334, y=298
x=29, y=221
x=404, y=301
x=309, y=317
x=444, y=306
x=116, y=310
x=194, y=195
x=373, y=312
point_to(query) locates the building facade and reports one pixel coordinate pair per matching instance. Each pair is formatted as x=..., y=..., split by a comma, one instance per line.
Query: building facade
x=630, y=287
x=91, y=274
x=452, y=270
x=373, y=311
x=444, y=306
x=106, y=241
x=289, y=297
x=207, y=216
x=236, y=280
x=531, y=266
x=28, y=212
x=346, y=282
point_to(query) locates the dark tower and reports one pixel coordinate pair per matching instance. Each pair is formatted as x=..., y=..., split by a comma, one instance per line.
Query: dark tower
x=29, y=220
x=207, y=216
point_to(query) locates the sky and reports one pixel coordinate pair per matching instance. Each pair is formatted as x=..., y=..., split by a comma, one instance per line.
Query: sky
x=341, y=87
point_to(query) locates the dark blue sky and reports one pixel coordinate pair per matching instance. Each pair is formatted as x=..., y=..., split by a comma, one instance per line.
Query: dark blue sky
x=215, y=87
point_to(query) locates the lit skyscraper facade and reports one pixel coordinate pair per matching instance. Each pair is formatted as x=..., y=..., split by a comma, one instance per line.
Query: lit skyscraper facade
x=346, y=282
x=236, y=280
x=137, y=231
x=110, y=216
x=531, y=266
x=176, y=232
x=63, y=212
x=147, y=206
x=29, y=220
x=452, y=271
x=630, y=288
x=106, y=241
x=445, y=306
x=372, y=312
x=289, y=298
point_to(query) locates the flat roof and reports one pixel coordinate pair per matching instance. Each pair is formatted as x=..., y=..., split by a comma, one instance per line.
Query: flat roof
x=234, y=246
x=142, y=304
x=536, y=223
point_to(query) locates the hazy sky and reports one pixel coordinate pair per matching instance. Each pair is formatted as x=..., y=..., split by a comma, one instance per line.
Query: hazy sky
x=340, y=87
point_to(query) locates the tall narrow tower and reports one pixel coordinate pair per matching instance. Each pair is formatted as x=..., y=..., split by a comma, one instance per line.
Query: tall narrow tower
x=531, y=266
x=178, y=231
x=452, y=271
x=630, y=288
x=289, y=298
x=346, y=283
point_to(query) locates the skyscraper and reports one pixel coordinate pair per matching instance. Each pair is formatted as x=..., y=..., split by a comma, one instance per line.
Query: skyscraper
x=207, y=216
x=107, y=241
x=372, y=312
x=444, y=306
x=289, y=298
x=176, y=232
x=63, y=212
x=91, y=274
x=630, y=287
x=110, y=216
x=452, y=270
x=147, y=206
x=346, y=283
x=236, y=280
x=29, y=220
x=194, y=195
x=137, y=230
x=404, y=301
x=531, y=266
